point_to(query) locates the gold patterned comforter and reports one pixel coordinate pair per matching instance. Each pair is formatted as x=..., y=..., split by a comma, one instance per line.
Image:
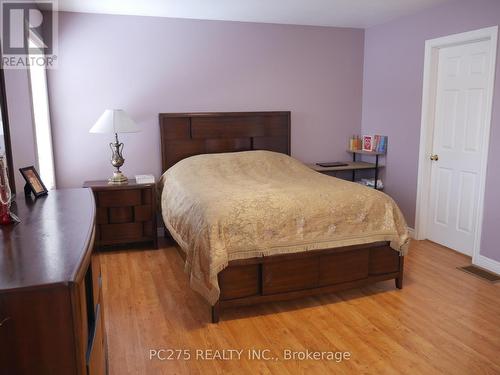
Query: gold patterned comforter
x=222, y=207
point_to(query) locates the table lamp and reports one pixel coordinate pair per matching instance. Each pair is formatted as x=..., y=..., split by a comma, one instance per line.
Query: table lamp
x=116, y=121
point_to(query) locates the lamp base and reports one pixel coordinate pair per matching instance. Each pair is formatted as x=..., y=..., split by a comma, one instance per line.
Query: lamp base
x=118, y=178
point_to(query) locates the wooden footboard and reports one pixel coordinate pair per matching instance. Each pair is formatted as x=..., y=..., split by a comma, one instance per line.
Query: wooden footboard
x=282, y=277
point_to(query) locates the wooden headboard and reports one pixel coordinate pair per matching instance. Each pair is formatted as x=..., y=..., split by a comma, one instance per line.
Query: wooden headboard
x=187, y=134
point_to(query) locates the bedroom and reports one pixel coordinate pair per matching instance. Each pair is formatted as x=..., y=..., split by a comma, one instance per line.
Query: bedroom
x=255, y=272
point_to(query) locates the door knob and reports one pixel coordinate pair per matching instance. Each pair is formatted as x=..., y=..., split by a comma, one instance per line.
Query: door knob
x=434, y=157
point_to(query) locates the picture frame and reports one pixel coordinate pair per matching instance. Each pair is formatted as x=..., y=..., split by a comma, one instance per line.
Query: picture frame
x=367, y=143
x=34, y=183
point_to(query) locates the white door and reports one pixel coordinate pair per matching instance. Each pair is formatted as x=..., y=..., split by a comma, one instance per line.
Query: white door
x=459, y=129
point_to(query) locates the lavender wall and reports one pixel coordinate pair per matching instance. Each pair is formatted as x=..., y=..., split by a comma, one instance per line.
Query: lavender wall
x=392, y=99
x=148, y=65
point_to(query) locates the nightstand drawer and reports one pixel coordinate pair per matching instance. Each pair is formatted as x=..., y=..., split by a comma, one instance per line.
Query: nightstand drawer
x=119, y=198
x=148, y=229
x=143, y=213
x=119, y=215
x=121, y=231
x=101, y=215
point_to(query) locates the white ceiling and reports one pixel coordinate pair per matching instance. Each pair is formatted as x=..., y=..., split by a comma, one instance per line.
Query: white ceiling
x=341, y=13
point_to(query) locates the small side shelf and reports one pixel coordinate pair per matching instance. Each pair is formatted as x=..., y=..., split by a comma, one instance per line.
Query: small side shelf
x=351, y=166
x=354, y=165
x=361, y=152
x=370, y=153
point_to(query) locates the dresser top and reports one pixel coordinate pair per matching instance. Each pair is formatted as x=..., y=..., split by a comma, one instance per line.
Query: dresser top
x=52, y=241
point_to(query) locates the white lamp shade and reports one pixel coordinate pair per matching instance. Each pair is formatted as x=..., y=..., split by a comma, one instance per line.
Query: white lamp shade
x=115, y=121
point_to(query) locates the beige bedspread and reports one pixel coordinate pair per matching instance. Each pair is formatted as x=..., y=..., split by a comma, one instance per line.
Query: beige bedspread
x=222, y=207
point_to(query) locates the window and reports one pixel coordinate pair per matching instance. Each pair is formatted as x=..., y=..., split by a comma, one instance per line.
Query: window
x=41, y=117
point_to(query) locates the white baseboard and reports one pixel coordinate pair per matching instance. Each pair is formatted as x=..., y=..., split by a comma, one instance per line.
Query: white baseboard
x=487, y=263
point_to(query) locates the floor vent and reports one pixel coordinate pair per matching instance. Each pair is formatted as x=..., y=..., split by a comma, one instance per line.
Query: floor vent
x=481, y=273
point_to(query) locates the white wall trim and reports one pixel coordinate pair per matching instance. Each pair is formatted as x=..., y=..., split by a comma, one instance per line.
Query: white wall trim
x=432, y=47
x=488, y=264
x=411, y=232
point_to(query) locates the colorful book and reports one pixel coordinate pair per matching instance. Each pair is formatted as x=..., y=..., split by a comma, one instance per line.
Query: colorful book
x=382, y=147
x=376, y=142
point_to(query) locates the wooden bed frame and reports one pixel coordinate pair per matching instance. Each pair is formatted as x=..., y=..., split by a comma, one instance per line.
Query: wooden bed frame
x=278, y=277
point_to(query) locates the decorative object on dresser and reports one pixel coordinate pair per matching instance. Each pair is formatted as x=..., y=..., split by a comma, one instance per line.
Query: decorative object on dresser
x=116, y=121
x=51, y=319
x=6, y=217
x=126, y=214
x=34, y=183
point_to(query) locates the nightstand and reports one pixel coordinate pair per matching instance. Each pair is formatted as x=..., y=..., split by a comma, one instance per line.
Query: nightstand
x=125, y=214
x=354, y=165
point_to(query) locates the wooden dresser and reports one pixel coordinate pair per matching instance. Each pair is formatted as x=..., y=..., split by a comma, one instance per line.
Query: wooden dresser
x=51, y=315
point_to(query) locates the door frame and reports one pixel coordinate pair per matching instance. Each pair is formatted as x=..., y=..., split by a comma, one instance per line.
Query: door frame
x=431, y=57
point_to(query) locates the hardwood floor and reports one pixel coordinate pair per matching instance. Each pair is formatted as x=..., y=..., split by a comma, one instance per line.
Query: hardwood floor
x=444, y=321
